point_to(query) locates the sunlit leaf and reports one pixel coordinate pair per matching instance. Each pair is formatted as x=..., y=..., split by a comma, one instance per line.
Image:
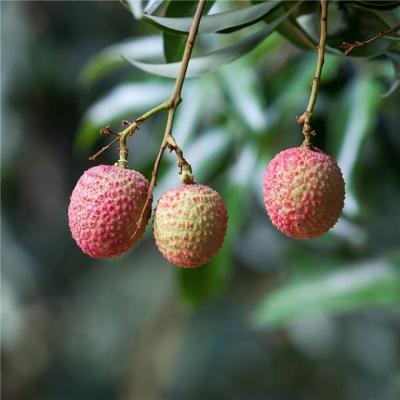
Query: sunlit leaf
x=351, y=122
x=245, y=94
x=136, y=7
x=372, y=284
x=196, y=103
x=152, y=6
x=228, y=21
x=395, y=58
x=110, y=59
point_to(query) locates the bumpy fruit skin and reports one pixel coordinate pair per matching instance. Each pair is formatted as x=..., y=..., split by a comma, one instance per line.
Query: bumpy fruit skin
x=190, y=224
x=105, y=206
x=303, y=192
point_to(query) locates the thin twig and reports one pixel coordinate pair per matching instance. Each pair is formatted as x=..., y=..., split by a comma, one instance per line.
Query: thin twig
x=349, y=47
x=305, y=119
x=103, y=149
x=173, y=103
x=128, y=131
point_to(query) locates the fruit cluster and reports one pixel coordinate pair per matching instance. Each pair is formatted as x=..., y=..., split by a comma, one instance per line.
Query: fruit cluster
x=303, y=195
x=189, y=222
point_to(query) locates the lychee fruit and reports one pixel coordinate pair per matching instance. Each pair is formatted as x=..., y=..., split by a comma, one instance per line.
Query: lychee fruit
x=303, y=192
x=105, y=207
x=189, y=225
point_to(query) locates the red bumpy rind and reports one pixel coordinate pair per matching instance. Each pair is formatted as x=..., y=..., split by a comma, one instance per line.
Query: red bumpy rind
x=105, y=206
x=303, y=192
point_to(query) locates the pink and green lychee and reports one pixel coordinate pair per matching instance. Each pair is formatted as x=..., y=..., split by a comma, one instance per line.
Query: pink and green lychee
x=303, y=192
x=189, y=225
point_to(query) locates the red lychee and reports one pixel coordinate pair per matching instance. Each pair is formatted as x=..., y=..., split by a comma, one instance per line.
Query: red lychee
x=105, y=206
x=190, y=224
x=303, y=192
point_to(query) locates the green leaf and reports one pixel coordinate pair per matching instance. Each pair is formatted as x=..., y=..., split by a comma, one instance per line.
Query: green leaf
x=381, y=4
x=290, y=28
x=136, y=7
x=245, y=94
x=228, y=21
x=373, y=284
x=360, y=24
x=199, y=284
x=174, y=45
x=202, y=283
x=110, y=59
x=152, y=6
x=126, y=100
x=212, y=60
x=395, y=58
x=389, y=16
x=351, y=121
x=292, y=31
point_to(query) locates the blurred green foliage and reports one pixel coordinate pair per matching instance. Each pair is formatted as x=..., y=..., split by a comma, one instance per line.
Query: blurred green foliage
x=269, y=316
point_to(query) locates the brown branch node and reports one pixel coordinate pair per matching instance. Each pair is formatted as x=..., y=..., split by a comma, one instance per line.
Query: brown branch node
x=349, y=47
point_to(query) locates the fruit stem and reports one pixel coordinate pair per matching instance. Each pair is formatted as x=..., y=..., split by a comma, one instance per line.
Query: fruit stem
x=185, y=169
x=123, y=152
x=305, y=119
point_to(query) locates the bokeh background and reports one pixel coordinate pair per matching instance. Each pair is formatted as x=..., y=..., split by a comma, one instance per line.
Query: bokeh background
x=270, y=317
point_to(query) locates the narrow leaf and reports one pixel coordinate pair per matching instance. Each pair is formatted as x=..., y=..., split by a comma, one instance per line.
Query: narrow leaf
x=110, y=58
x=374, y=284
x=212, y=60
x=245, y=94
x=350, y=124
x=293, y=31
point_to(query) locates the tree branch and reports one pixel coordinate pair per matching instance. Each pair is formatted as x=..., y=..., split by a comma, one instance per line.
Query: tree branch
x=349, y=47
x=305, y=118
